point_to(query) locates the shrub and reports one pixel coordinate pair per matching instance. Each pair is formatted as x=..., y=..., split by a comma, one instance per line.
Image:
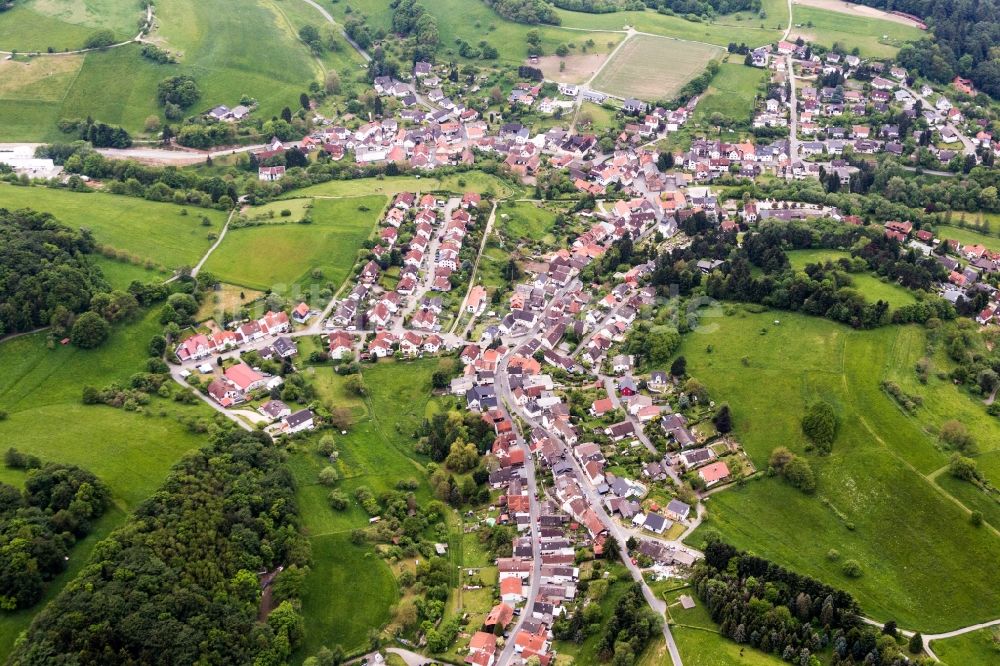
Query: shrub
x=852, y=569
x=820, y=425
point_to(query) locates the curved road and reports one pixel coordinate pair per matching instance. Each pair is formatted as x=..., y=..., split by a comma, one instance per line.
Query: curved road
x=330, y=19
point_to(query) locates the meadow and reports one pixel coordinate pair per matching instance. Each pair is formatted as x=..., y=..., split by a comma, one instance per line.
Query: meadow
x=923, y=563
x=875, y=38
x=376, y=453
x=732, y=93
x=871, y=286
x=526, y=221
x=969, y=235
x=146, y=229
x=131, y=452
x=37, y=25
x=637, y=70
x=977, y=647
x=596, y=118
x=118, y=86
x=469, y=181
x=283, y=257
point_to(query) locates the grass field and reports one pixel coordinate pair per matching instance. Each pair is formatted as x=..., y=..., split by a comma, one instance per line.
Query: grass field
x=978, y=647
x=731, y=93
x=282, y=257
x=131, y=452
x=120, y=274
x=637, y=70
x=526, y=221
x=118, y=85
x=874, y=37
x=872, y=287
x=37, y=25
x=968, y=236
x=596, y=118
x=471, y=181
x=41, y=79
x=146, y=229
x=376, y=453
x=923, y=563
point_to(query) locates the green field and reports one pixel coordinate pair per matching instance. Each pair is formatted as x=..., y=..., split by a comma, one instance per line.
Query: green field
x=283, y=256
x=636, y=69
x=923, y=563
x=968, y=236
x=731, y=93
x=596, y=118
x=120, y=274
x=131, y=452
x=977, y=647
x=146, y=229
x=37, y=25
x=874, y=37
x=526, y=221
x=471, y=181
x=220, y=45
x=871, y=286
x=376, y=453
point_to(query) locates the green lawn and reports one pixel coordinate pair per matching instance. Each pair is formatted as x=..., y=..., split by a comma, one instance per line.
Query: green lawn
x=874, y=37
x=978, y=647
x=131, y=452
x=472, y=181
x=970, y=235
x=282, y=257
x=731, y=93
x=36, y=25
x=924, y=564
x=596, y=118
x=120, y=274
x=220, y=44
x=146, y=229
x=700, y=647
x=526, y=221
x=376, y=453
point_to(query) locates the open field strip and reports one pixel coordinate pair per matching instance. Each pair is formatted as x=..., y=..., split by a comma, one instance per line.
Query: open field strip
x=637, y=68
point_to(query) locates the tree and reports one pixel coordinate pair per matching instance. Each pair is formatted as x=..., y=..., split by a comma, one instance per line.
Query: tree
x=916, y=643
x=341, y=418
x=852, y=569
x=679, y=367
x=332, y=83
x=963, y=468
x=181, y=91
x=356, y=384
x=462, y=456
x=723, y=420
x=957, y=436
x=328, y=475
x=338, y=500
x=304, y=101
x=820, y=425
x=89, y=331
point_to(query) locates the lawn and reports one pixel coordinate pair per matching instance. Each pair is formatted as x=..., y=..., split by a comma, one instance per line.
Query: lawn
x=120, y=274
x=118, y=86
x=923, y=563
x=36, y=25
x=970, y=235
x=876, y=38
x=471, y=181
x=637, y=70
x=145, y=229
x=596, y=118
x=699, y=647
x=131, y=452
x=283, y=257
x=376, y=453
x=977, y=647
x=731, y=93
x=526, y=221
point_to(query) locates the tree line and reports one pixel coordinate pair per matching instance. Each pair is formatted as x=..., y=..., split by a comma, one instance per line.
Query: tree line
x=178, y=582
x=531, y=12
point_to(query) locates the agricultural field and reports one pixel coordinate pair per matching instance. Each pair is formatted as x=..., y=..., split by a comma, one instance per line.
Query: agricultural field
x=636, y=70
x=39, y=25
x=876, y=38
x=118, y=86
x=732, y=93
x=922, y=565
x=283, y=257
x=978, y=647
x=131, y=452
x=376, y=453
x=148, y=230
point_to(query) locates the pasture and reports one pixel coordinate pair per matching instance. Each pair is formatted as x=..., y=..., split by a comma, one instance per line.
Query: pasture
x=923, y=562
x=870, y=286
x=731, y=93
x=526, y=221
x=876, y=38
x=636, y=69
x=470, y=181
x=146, y=229
x=37, y=25
x=376, y=453
x=42, y=79
x=284, y=257
x=970, y=235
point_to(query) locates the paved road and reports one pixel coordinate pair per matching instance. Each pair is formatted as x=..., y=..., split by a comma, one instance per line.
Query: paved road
x=793, y=106
x=475, y=269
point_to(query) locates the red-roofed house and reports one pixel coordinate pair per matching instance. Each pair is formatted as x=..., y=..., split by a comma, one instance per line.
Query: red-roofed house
x=511, y=590
x=714, y=473
x=244, y=378
x=501, y=614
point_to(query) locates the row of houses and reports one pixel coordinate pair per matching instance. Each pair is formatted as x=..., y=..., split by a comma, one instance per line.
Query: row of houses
x=200, y=346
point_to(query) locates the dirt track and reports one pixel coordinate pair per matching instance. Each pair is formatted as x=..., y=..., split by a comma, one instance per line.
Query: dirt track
x=860, y=11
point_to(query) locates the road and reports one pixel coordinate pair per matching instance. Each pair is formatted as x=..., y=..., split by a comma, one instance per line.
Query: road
x=218, y=241
x=793, y=112
x=329, y=18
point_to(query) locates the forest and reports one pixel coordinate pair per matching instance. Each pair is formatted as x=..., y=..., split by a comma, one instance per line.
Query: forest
x=965, y=32
x=762, y=604
x=178, y=583
x=531, y=12
x=45, y=269
x=40, y=524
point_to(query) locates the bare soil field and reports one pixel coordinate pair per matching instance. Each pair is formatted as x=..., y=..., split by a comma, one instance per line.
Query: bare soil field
x=579, y=68
x=651, y=68
x=861, y=11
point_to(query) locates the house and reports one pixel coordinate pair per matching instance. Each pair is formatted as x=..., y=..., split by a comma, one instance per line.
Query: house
x=601, y=407
x=678, y=510
x=633, y=105
x=297, y=422
x=714, y=473
x=285, y=347
x=501, y=614
x=194, y=348
x=511, y=590
x=621, y=364
x=244, y=378
x=476, y=302
x=271, y=173
x=301, y=313
x=274, y=410
x=655, y=523
x=341, y=345
x=657, y=381
x=224, y=393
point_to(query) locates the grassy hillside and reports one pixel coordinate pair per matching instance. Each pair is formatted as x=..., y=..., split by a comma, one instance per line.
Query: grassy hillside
x=875, y=503
x=37, y=25
x=874, y=37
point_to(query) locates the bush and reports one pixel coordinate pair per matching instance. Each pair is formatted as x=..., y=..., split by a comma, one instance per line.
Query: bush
x=328, y=475
x=976, y=518
x=820, y=425
x=852, y=569
x=99, y=39
x=338, y=500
